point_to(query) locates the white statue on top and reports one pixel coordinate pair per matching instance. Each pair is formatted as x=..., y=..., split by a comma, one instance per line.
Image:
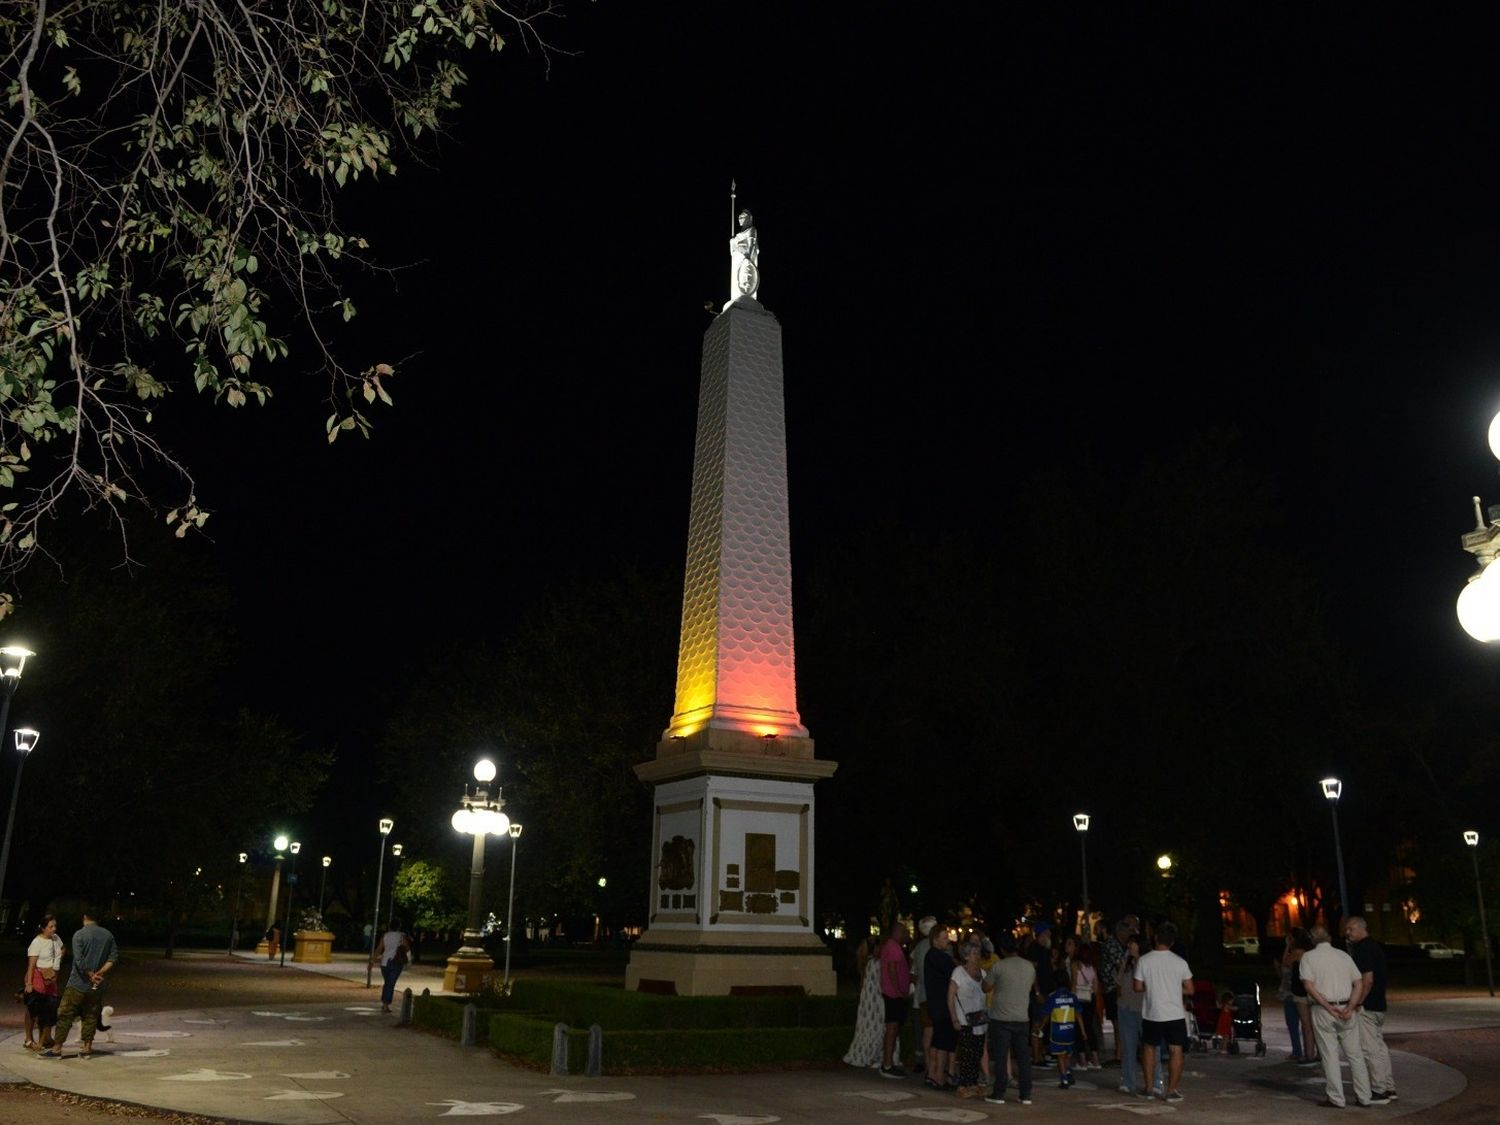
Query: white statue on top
x=744, y=260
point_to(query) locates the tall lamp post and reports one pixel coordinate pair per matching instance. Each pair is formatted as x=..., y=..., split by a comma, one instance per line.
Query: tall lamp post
x=323, y=887
x=239, y=894
x=1333, y=789
x=386, y=824
x=12, y=663
x=26, y=740
x=1081, y=826
x=390, y=917
x=264, y=945
x=510, y=902
x=291, y=893
x=1472, y=839
x=478, y=814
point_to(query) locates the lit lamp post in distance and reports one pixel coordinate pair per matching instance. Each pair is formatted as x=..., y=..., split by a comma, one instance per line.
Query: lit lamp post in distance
x=480, y=815
x=386, y=824
x=26, y=740
x=1333, y=789
x=234, y=923
x=291, y=893
x=1081, y=826
x=323, y=887
x=510, y=903
x=264, y=944
x=390, y=916
x=1471, y=838
x=12, y=663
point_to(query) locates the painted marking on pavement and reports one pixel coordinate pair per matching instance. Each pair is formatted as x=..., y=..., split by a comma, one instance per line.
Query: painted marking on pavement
x=275, y=1043
x=458, y=1108
x=211, y=1022
x=157, y=1034
x=146, y=1053
x=738, y=1119
x=206, y=1074
x=307, y=1019
x=936, y=1114
x=304, y=1096
x=881, y=1095
x=317, y=1075
x=574, y=1096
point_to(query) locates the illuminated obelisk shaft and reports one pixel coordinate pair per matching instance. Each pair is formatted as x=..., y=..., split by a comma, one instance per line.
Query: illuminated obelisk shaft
x=735, y=665
x=732, y=854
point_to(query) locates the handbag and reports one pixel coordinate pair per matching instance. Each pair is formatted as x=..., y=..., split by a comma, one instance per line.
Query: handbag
x=977, y=1019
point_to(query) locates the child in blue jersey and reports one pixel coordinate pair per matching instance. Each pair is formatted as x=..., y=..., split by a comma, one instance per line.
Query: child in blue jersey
x=1060, y=1019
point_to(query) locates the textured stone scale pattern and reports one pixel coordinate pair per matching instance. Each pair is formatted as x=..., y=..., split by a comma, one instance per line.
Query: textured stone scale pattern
x=736, y=665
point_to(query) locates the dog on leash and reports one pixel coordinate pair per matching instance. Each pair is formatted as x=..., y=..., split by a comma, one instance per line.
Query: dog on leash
x=106, y=1014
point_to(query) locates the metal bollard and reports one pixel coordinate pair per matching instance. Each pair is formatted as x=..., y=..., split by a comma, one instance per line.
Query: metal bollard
x=426, y=992
x=470, y=1034
x=405, y=1018
x=596, y=1052
x=560, y=1050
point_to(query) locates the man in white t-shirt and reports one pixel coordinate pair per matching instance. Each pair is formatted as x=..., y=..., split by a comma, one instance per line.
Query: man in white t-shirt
x=1165, y=978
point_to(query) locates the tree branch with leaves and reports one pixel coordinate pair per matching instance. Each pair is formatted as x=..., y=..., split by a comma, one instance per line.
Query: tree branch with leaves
x=170, y=184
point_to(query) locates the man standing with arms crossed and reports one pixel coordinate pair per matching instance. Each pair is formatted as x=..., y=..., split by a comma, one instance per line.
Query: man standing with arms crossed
x=1165, y=978
x=94, y=955
x=1369, y=959
x=895, y=987
x=1335, y=986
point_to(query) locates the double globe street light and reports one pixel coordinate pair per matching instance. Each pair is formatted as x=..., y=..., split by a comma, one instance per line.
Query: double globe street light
x=479, y=815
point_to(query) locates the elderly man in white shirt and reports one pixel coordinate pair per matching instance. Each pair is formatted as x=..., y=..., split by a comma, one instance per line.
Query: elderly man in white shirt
x=1335, y=986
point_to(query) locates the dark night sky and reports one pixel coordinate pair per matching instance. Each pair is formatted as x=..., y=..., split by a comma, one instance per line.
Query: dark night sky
x=996, y=236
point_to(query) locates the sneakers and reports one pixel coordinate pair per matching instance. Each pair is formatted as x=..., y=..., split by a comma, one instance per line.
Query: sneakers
x=892, y=1072
x=1377, y=1099
x=1025, y=1101
x=1389, y=1095
x=1172, y=1096
x=50, y=1053
x=1126, y=1090
x=996, y=1099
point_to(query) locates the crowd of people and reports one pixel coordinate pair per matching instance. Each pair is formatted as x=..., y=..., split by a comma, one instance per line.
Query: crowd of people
x=986, y=1015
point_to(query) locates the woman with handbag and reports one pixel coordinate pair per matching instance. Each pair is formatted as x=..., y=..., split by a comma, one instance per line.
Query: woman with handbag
x=966, y=1008
x=41, y=988
x=391, y=953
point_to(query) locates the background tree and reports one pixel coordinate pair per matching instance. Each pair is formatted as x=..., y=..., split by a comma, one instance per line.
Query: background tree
x=170, y=174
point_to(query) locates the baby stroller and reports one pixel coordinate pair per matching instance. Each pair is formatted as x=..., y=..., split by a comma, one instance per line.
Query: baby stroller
x=1246, y=1017
x=1202, y=1015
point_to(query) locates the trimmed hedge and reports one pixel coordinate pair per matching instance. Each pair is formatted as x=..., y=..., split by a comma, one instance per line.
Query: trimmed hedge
x=615, y=1009
x=528, y=1039
x=725, y=1049
x=444, y=1015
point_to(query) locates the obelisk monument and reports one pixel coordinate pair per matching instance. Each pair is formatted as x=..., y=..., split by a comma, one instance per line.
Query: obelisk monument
x=732, y=852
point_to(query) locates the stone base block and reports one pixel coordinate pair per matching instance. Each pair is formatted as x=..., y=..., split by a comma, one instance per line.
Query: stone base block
x=466, y=973
x=719, y=967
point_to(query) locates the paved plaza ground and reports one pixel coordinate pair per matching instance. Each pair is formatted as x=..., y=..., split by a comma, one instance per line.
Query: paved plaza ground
x=235, y=1039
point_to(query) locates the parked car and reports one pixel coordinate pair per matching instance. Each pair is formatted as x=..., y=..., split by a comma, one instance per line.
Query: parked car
x=1438, y=951
x=1249, y=946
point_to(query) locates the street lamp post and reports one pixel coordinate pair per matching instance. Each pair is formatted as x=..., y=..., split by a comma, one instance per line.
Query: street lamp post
x=478, y=814
x=1081, y=826
x=510, y=902
x=1472, y=839
x=386, y=824
x=264, y=945
x=1333, y=789
x=390, y=918
x=26, y=740
x=239, y=894
x=323, y=887
x=291, y=893
x=12, y=663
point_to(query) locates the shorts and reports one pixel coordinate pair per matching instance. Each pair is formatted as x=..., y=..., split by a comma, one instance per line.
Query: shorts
x=1170, y=1033
x=895, y=1009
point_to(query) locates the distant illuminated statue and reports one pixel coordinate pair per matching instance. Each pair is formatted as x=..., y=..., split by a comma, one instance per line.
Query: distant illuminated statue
x=744, y=260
